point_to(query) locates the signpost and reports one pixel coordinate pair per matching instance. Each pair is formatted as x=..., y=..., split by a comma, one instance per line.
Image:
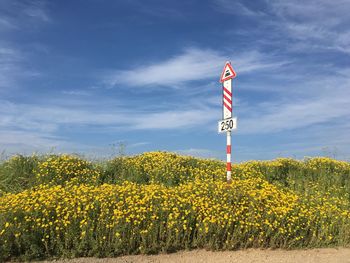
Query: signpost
x=228, y=122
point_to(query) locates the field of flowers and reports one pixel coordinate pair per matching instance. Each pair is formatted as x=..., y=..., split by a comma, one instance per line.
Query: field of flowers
x=65, y=206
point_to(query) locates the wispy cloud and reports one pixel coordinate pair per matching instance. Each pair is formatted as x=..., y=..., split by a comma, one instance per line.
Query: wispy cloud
x=26, y=142
x=312, y=25
x=26, y=126
x=191, y=65
x=315, y=140
x=6, y=24
x=76, y=92
x=37, y=10
x=323, y=24
x=176, y=119
x=16, y=15
x=31, y=117
x=324, y=12
x=280, y=117
x=237, y=8
x=137, y=144
x=10, y=68
x=330, y=101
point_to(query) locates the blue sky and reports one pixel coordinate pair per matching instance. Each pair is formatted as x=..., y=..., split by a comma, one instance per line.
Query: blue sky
x=82, y=76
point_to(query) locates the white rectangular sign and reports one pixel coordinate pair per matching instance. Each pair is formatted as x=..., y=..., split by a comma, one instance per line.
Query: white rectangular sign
x=227, y=125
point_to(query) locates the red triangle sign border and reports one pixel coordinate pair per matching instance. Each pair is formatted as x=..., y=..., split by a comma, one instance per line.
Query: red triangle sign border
x=233, y=75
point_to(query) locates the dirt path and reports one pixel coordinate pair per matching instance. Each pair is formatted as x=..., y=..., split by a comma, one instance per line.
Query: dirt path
x=340, y=255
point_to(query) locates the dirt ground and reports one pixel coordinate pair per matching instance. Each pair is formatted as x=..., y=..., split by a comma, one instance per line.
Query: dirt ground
x=339, y=255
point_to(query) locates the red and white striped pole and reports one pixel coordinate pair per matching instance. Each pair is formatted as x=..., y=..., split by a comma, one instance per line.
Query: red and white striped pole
x=227, y=124
x=227, y=114
x=228, y=156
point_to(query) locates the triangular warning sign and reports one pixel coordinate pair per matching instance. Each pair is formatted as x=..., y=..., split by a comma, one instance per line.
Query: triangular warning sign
x=227, y=73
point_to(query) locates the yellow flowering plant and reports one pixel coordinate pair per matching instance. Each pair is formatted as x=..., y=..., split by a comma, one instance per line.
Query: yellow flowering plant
x=164, y=202
x=61, y=169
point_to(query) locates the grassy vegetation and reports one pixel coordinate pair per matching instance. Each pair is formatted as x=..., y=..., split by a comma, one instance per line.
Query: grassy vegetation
x=64, y=206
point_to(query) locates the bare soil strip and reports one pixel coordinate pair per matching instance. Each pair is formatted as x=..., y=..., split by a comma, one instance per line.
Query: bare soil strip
x=324, y=255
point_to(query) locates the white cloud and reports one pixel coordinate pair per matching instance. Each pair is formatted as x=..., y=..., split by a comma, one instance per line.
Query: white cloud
x=76, y=92
x=315, y=24
x=324, y=24
x=37, y=10
x=193, y=64
x=15, y=14
x=325, y=100
x=10, y=66
x=33, y=127
x=316, y=140
x=327, y=13
x=238, y=8
x=6, y=24
x=50, y=118
x=137, y=144
x=14, y=141
x=295, y=115
x=175, y=119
